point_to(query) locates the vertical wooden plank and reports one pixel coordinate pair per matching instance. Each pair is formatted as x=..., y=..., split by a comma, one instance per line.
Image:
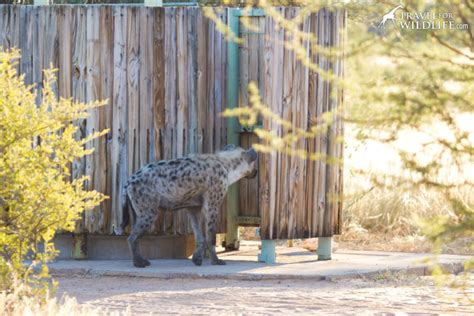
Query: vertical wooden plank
x=286, y=110
x=182, y=97
x=221, y=123
x=277, y=106
x=92, y=122
x=133, y=82
x=218, y=90
x=329, y=179
x=26, y=41
x=79, y=54
x=158, y=81
x=4, y=25
x=104, y=167
x=119, y=150
x=51, y=37
x=202, y=82
x=209, y=143
x=170, y=82
x=319, y=197
x=300, y=108
x=38, y=49
x=9, y=26
x=340, y=191
x=255, y=66
x=191, y=30
x=182, y=102
x=264, y=159
x=146, y=94
x=170, y=96
x=65, y=74
x=311, y=177
x=244, y=65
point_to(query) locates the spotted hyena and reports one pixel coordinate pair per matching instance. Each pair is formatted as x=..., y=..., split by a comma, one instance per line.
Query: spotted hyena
x=197, y=183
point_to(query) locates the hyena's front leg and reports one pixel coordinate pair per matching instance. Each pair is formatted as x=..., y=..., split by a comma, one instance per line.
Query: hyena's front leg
x=198, y=235
x=211, y=212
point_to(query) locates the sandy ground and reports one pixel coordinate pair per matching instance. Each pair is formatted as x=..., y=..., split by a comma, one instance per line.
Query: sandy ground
x=199, y=296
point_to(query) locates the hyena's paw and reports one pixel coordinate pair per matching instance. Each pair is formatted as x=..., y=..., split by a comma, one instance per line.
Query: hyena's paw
x=140, y=262
x=197, y=259
x=218, y=262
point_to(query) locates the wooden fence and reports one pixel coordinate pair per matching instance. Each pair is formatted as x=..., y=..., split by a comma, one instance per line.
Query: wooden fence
x=163, y=71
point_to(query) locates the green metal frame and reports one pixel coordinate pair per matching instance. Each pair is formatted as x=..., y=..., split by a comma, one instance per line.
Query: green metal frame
x=42, y=2
x=252, y=12
x=232, y=235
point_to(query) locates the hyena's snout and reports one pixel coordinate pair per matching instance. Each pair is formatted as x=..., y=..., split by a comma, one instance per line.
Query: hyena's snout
x=253, y=161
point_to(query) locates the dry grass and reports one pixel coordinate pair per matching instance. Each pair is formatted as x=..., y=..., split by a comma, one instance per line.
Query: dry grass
x=20, y=302
x=387, y=218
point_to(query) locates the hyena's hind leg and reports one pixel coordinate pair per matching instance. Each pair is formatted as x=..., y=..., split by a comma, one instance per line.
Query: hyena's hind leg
x=211, y=213
x=145, y=217
x=194, y=215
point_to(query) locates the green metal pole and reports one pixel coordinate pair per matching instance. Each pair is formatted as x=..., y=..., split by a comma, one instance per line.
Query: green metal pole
x=232, y=235
x=42, y=2
x=153, y=3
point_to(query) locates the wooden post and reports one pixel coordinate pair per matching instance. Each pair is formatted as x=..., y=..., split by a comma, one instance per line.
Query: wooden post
x=153, y=3
x=324, y=250
x=41, y=2
x=267, y=253
x=79, y=251
x=232, y=235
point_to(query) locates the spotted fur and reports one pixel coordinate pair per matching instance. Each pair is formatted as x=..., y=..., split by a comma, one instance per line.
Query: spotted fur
x=197, y=183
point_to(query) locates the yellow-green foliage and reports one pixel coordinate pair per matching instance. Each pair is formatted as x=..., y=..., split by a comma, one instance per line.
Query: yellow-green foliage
x=37, y=197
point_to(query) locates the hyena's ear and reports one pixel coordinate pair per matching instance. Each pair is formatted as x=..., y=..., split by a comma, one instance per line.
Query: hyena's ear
x=250, y=155
x=229, y=147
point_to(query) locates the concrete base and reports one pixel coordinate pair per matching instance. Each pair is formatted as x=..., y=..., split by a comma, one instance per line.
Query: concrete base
x=101, y=247
x=267, y=253
x=324, y=250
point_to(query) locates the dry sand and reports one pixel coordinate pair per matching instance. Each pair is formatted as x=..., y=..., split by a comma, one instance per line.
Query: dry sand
x=401, y=294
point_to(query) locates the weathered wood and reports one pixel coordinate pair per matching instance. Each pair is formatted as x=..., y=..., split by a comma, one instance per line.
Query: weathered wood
x=202, y=83
x=65, y=73
x=93, y=86
x=104, y=183
x=133, y=82
x=170, y=82
x=164, y=71
x=119, y=151
x=51, y=40
x=158, y=80
x=145, y=120
x=79, y=55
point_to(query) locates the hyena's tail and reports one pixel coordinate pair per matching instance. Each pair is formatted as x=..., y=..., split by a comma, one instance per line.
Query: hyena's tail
x=126, y=208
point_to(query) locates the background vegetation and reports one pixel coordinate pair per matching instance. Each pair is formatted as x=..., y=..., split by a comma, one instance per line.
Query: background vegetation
x=37, y=196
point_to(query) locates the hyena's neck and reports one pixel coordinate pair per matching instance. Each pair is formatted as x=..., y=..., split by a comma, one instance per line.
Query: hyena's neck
x=235, y=168
x=235, y=174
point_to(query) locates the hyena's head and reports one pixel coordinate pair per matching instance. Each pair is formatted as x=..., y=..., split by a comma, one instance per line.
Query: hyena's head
x=243, y=163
